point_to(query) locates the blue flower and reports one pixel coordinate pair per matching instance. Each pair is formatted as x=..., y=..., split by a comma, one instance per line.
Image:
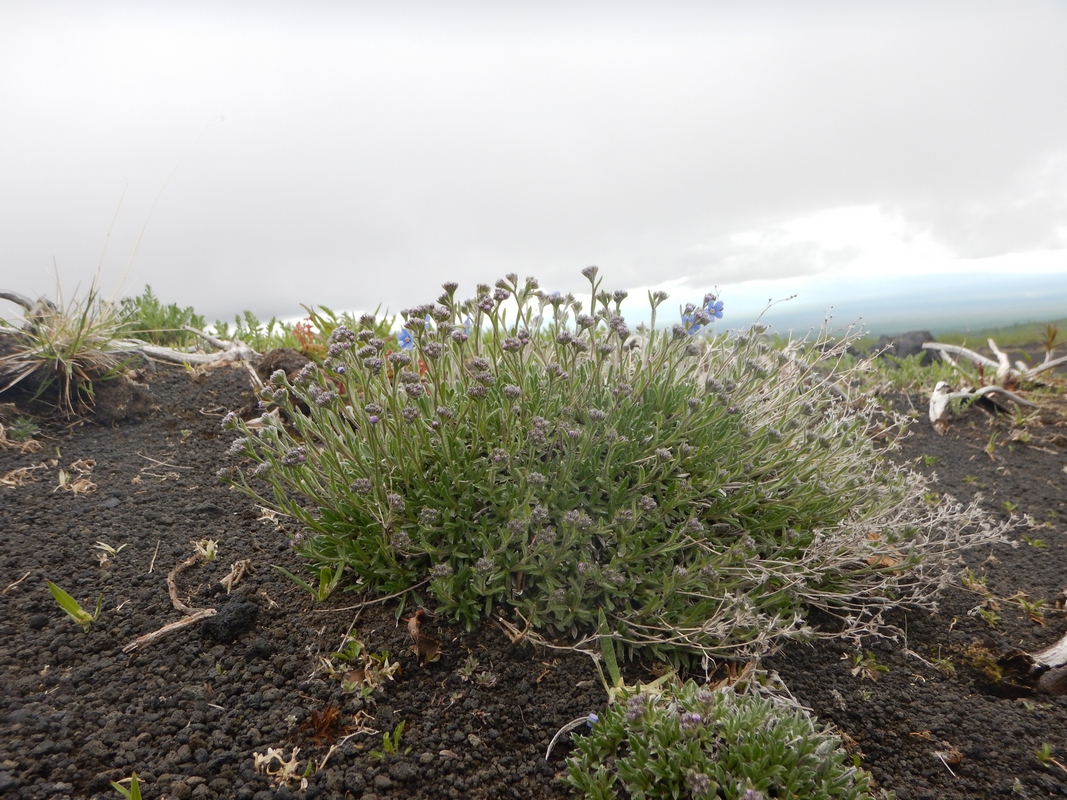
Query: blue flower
x=693, y=318
x=404, y=337
x=593, y=719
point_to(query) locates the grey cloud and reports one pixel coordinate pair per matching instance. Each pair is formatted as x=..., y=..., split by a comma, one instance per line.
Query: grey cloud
x=369, y=154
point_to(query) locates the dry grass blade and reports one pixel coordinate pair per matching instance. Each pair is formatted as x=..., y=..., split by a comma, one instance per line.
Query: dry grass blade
x=20, y=476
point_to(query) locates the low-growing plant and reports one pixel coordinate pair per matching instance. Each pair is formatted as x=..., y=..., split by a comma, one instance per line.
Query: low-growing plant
x=515, y=450
x=989, y=616
x=469, y=668
x=943, y=664
x=908, y=374
x=22, y=429
x=975, y=582
x=391, y=743
x=68, y=348
x=688, y=741
x=866, y=666
x=147, y=318
x=1048, y=339
x=363, y=671
x=1044, y=757
x=1034, y=609
x=329, y=578
x=133, y=793
x=310, y=335
x=73, y=608
x=207, y=549
x=105, y=552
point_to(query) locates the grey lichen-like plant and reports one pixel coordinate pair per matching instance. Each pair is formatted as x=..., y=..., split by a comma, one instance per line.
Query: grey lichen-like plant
x=522, y=449
x=689, y=741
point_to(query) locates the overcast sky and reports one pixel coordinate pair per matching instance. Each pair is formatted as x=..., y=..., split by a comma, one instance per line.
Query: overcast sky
x=353, y=153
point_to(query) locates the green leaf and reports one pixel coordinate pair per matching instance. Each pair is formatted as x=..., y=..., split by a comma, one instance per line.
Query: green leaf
x=72, y=607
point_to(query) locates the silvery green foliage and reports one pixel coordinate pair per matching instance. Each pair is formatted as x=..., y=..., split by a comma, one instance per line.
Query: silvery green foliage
x=514, y=450
x=691, y=742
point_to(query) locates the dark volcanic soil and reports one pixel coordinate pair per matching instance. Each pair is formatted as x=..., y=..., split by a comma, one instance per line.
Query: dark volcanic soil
x=188, y=711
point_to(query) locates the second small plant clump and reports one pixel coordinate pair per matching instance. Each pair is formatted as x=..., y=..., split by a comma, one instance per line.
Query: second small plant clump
x=688, y=741
x=528, y=450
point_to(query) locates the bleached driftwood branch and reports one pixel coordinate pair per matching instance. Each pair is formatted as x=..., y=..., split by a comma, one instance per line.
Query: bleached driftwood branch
x=1001, y=365
x=955, y=349
x=227, y=350
x=943, y=395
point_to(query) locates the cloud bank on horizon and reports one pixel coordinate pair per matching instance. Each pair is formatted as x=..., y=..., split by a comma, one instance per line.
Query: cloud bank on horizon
x=355, y=154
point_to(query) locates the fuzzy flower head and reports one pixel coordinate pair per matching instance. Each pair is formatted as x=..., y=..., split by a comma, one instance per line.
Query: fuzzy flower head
x=700, y=784
x=441, y=571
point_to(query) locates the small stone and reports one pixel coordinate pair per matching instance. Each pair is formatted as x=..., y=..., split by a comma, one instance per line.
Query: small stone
x=383, y=782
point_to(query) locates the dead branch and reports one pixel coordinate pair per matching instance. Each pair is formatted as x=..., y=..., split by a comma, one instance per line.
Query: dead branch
x=1052, y=657
x=943, y=395
x=228, y=350
x=184, y=622
x=977, y=358
x=172, y=584
x=1047, y=365
x=192, y=615
x=1001, y=365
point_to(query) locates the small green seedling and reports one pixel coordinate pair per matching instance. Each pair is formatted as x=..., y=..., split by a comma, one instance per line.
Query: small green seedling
x=486, y=679
x=328, y=581
x=351, y=650
x=73, y=609
x=207, y=548
x=944, y=666
x=929, y=461
x=989, y=616
x=1009, y=506
x=1044, y=756
x=106, y=552
x=1038, y=543
x=22, y=430
x=975, y=583
x=866, y=666
x=391, y=743
x=991, y=447
x=1032, y=609
x=133, y=793
x=469, y=668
